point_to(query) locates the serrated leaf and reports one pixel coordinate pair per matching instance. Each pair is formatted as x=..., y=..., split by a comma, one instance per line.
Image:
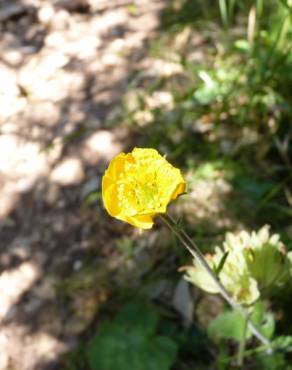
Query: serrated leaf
x=129, y=343
x=230, y=324
x=227, y=325
x=141, y=316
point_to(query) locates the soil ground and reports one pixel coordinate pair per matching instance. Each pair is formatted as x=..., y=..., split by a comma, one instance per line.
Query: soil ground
x=64, y=66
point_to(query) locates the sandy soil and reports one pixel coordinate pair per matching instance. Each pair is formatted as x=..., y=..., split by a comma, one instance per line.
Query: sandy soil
x=64, y=66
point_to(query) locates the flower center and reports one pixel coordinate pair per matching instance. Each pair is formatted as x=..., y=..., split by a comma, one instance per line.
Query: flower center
x=138, y=193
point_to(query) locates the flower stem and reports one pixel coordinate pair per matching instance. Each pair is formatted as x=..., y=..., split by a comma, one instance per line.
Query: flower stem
x=242, y=342
x=197, y=254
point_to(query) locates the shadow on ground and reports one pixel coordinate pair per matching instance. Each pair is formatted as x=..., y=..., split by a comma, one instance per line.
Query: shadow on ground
x=64, y=68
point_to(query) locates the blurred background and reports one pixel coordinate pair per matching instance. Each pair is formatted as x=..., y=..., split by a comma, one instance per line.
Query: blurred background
x=209, y=84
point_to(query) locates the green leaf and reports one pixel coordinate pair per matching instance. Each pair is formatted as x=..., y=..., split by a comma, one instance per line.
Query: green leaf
x=92, y=198
x=254, y=188
x=268, y=326
x=275, y=361
x=227, y=325
x=221, y=263
x=283, y=343
x=129, y=342
x=206, y=95
x=230, y=324
x=258, y=313
x=263, y=320
x=142, y=317
x=242, y=45
x=209, y=91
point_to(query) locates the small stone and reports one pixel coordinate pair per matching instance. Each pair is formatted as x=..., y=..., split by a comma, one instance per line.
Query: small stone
x=101, y=145
x=12, y=57
x=46, y=14
x=68, y=172
x=77, y=265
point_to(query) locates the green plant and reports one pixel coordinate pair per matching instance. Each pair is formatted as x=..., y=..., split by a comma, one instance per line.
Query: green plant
x=231, y=121
x=131, y=342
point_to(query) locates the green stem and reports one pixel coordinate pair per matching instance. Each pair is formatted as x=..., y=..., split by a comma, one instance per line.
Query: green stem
x=197, y=254
x=241, y=348
x=249, y=352
x=224, y=13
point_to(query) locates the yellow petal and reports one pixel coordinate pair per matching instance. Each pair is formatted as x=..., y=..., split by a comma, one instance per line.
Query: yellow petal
x=143, y=222
x=107, y=181
x=110, y=199
x=181, y=187
x=116, y=166
x=139, y=153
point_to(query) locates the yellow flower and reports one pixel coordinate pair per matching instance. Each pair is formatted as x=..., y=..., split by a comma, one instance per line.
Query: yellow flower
x=139, y=185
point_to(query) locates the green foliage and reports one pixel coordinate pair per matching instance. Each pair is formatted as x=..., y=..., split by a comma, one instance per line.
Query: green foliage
x=220, y=266
x=231, y=324
x=229, y=119
x=274, y=361
x=131, y=342
x=126, y=246
x=254, y=188
x=263, y=319
x=92, y=198
x=212, y=169
x=75, y=360
x=227, y=325
x=283, y=343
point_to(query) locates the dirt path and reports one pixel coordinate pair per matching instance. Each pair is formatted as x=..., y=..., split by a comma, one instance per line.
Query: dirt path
x=63, y=70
